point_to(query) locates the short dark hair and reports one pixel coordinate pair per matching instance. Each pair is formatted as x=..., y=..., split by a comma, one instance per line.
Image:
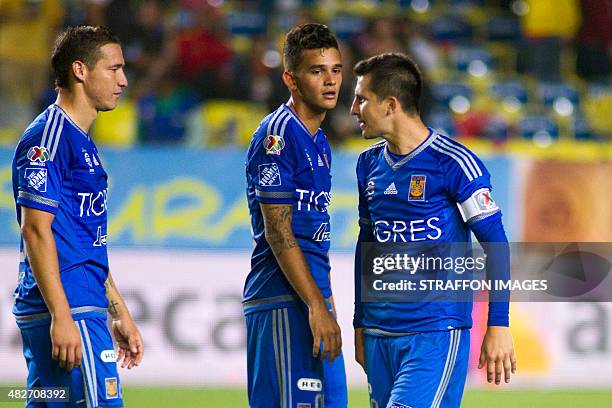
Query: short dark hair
x=311, y=36
x=394, y=74
x=79, y=43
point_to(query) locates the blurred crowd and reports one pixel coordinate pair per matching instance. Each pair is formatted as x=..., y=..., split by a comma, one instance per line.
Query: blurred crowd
x=495, y=69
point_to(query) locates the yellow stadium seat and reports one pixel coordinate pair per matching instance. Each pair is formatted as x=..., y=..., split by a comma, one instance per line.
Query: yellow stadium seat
x=117, y=128
x=597, y=110
x=231, y=122
x=8, y=137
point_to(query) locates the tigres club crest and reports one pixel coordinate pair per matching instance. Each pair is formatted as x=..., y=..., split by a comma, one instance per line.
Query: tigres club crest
x=417, y=188
x=274, y=144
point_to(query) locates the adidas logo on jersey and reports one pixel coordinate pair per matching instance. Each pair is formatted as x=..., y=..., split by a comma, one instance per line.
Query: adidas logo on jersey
x=391, y=190
x=319, y=161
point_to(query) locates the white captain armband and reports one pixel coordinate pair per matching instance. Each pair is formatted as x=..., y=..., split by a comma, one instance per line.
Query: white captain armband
x=478, y=206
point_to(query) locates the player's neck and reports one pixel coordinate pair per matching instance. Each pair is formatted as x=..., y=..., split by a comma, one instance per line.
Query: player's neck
x=308, y=116
x=407, y=136
x=77, y=108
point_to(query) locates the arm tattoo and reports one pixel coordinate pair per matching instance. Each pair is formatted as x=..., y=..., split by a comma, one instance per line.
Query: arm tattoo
x=278, y=228
x=108, y=284
x=112, y=309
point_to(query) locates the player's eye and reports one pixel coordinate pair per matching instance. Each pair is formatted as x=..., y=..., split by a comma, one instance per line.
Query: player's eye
x=316, y=71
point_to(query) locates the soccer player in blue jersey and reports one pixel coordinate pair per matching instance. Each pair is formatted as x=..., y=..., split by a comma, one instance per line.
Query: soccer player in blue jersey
x=293, y=339
x=418, y=185
x=60, y=187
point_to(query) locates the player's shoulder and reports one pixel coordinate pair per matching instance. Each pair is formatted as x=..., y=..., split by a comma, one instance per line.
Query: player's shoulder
x=277, y=123
x=452, y=154
x=372, y=151
x=45, y=136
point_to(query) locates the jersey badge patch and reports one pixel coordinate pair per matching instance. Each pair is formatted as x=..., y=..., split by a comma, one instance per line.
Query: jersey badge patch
x=269, y=175
x=417, y=188
x=38, y=154
x=274, y=144
x=37, y=179
x=485, y=201
x=110, y=384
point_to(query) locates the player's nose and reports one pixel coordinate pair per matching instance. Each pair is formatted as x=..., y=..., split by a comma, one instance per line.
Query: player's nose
x=355, y=107
x=122, y=80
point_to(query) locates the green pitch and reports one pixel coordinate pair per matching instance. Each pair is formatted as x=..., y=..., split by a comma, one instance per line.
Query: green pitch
x=235, y=398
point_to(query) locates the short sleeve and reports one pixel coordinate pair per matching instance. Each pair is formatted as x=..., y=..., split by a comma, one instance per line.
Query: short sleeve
x=40, y=168
x=468, y=182
x=272, y=168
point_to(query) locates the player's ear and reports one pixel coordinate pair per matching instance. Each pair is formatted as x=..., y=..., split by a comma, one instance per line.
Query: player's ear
x=392, y=105
x=289, y=81
x=78, y=70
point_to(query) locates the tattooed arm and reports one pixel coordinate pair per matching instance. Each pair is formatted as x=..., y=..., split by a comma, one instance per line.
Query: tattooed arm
x=278, y=232
x=129, y=341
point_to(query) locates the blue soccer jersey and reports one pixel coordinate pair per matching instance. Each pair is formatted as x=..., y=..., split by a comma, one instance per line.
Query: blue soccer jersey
x=432, y=194
x=287, y=165
x=57, y=169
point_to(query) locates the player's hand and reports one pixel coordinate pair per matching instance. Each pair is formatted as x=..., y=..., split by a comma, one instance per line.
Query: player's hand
x=324, y=329
x=497, y=353
x=65, y=342
x=130, y=348
x=359, y=348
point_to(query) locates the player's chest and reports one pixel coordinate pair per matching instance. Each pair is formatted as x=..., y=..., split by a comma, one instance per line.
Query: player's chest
x=409, y=188
x=86, y=171
x=314, y=166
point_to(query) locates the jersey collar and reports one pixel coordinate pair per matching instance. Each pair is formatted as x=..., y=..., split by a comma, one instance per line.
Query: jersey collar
x=302, y=125
x=397, y=164
x=63, y=112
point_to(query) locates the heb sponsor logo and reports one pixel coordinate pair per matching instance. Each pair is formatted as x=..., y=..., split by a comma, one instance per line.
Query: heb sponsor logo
x=37, y=179
x=38, y=154
x=108, y=356
x=310, y=384
x=269, y=175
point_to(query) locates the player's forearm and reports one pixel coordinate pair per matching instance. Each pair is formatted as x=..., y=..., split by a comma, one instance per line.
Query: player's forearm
x=491, y=234
x=116, y=305
x=288, y=253
x=42, y=256
x=293, y=264
x=365, y=236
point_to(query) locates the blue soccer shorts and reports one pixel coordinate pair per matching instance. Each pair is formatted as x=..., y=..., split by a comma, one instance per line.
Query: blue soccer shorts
x=282, y=373
x=420, y=370
x=94, y=384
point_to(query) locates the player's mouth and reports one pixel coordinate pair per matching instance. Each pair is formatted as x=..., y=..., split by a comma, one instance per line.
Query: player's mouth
x=330, y=95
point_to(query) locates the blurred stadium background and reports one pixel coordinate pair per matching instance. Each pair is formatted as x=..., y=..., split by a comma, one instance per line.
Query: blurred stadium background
x=525, y=83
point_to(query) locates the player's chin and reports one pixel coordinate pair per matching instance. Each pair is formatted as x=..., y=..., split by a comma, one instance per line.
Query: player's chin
x=107, y=106
x=328, y=103
x=368, y=136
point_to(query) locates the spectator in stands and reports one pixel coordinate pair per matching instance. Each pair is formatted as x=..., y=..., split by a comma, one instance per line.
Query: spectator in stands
x=594, y=40
x=203, y=53
x=163, y=111
x=27, y=29
x=381, y=36
x=547, y=26
x=148, y=51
